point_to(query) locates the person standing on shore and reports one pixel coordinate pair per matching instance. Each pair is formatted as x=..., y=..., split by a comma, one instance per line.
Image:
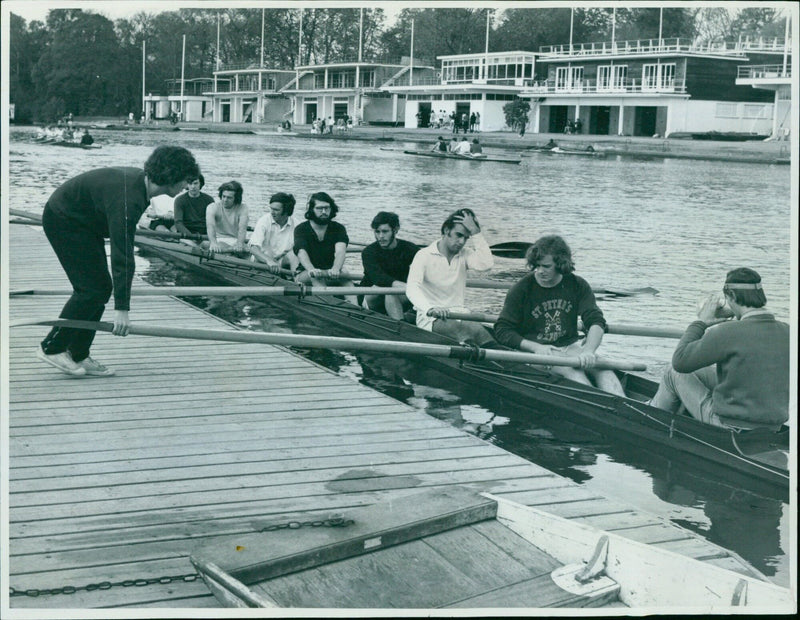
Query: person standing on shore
x=78, y=217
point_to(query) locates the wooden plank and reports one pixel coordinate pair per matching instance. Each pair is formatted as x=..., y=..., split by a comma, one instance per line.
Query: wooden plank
x=257, y=557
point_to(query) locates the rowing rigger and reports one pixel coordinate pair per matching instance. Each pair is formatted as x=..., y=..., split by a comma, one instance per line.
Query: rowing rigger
x=462, y=352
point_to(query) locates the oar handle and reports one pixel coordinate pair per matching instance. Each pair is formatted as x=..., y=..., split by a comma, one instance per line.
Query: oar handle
x=330, y=342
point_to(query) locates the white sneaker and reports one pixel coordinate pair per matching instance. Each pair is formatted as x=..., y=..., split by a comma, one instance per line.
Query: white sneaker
x=95, y=369
x=62, y=361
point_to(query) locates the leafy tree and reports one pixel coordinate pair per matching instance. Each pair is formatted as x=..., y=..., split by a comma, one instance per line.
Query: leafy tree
x=530, y=29
x=26, y=43
x=516, y=113
x=80, y=65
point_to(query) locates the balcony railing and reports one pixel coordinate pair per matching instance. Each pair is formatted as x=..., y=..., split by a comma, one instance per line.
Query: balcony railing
x=754, y=72
x=549, y=87
x=642, y=46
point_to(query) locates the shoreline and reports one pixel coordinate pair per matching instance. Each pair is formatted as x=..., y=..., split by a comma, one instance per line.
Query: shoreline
x=750, y=151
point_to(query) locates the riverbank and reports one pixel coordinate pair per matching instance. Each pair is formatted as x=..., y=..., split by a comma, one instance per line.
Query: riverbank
x=772, y=152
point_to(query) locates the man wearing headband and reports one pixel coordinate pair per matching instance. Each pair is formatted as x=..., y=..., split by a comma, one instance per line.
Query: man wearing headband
x=735, y=374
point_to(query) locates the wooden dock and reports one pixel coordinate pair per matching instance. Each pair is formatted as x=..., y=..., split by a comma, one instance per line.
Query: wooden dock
x=120, y=479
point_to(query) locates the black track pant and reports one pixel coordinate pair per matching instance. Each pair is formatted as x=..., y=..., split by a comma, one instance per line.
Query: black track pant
x=82, y=254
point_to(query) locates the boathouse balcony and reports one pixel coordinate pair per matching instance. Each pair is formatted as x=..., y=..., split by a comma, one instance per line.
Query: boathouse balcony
x=645, y=47
x=764, y=75
x=588, y=86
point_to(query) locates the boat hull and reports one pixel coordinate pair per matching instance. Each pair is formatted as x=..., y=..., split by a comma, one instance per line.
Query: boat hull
x=454, y=547
x=478, y=158
x=749, y=459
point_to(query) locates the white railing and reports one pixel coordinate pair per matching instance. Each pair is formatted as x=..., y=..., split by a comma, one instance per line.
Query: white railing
x=751, y=72
x=653, y=46
x=592, y=87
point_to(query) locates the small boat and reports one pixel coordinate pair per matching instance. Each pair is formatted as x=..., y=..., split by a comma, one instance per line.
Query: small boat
x=587, y=152
x=755, y=459
x=729, y=136
x=476, y=157
x=454, y=547
x=67, y=143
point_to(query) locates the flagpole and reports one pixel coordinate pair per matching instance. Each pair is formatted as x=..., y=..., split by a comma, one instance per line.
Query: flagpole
x=486, y=52
x=144, y=108
x=411, y=62
x=262, y=41
x=183, y=66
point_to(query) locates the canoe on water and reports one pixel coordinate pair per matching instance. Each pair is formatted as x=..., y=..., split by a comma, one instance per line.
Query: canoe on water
x=560, y=150
x=478, y=157
x=71, y=145
x=756, y=460
x=457, y=548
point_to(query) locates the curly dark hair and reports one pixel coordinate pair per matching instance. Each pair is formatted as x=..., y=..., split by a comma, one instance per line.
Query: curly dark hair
x=752, y=298
x=287, y=200
x=556, y=247
x=168, y=165
x=236, y=188
x=322, y=197
x=386, y=217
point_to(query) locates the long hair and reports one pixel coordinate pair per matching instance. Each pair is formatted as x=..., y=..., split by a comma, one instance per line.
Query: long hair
x=322, y=197
x=287, y=200
x=235, y=187
x=556, y=247
x=752, y=298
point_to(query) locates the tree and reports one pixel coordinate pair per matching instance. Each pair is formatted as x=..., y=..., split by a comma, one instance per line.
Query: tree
x=516, y=113
x=80, y=66
x=530, y=29
x=26, y=44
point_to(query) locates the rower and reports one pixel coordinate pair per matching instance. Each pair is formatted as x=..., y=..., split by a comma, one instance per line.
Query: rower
x=540, y=314
x=735, y=374
x=463, y=147
x=273, y=236
x=386, y=263
x=190, y=209
x=86, y=138
x=437, y=279
x=440, y=146
x=226, y=220
x=102, y=203
x=320, y=243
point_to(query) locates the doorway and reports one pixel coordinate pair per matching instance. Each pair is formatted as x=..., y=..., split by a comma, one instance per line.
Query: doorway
x=558, y=118
x=339, y=111
x=644, y=122
x=600, y=120
x=424, y=114
x=311, y=113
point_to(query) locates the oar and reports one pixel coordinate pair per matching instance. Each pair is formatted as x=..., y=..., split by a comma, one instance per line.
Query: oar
x=36, y=219
x=228, y=291
x=602, y=290
x=622, y=329
x=168, y=234
x=463, y=352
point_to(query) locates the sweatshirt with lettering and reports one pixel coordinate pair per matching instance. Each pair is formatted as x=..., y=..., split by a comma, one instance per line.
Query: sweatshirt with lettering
x=547, y=315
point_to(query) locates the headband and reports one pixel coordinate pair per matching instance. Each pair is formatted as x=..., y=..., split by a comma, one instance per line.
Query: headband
x=748, y=286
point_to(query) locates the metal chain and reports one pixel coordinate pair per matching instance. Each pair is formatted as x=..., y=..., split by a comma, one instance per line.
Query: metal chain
x=188, y=577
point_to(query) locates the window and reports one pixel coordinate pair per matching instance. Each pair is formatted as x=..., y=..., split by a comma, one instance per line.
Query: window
x=319, y=80
x=569, y=78
x=658, y=77
x=752, y=110
x=727, y=110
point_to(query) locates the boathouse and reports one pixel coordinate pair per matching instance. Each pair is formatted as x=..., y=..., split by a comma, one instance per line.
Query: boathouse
x=649, y=87
x=190, y=102
x=466, y=84
x=353, y=88
x=249, y=93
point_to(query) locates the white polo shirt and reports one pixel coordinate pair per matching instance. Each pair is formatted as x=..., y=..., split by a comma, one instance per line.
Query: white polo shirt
x=274, y=240
x=435, y=283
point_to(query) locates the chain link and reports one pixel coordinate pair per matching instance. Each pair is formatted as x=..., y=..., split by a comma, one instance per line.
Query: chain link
x=188, y=577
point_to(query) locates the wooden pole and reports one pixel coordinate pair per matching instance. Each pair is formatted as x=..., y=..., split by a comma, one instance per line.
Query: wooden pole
x=229, y=291
x=144, y=108
x=349, y=344
x=183, y=67
x=622, y=329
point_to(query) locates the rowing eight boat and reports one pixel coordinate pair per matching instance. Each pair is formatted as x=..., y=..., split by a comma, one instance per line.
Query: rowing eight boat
x=756, y=459
x=477, y=157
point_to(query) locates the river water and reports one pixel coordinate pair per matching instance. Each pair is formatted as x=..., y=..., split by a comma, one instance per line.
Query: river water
x=675, y=225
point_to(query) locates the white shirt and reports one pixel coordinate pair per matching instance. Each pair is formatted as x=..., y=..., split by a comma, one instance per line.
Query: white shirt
x=161, y=206
x=462, y=148
x=435, y=283
x=228, y=222
x=274, y=240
